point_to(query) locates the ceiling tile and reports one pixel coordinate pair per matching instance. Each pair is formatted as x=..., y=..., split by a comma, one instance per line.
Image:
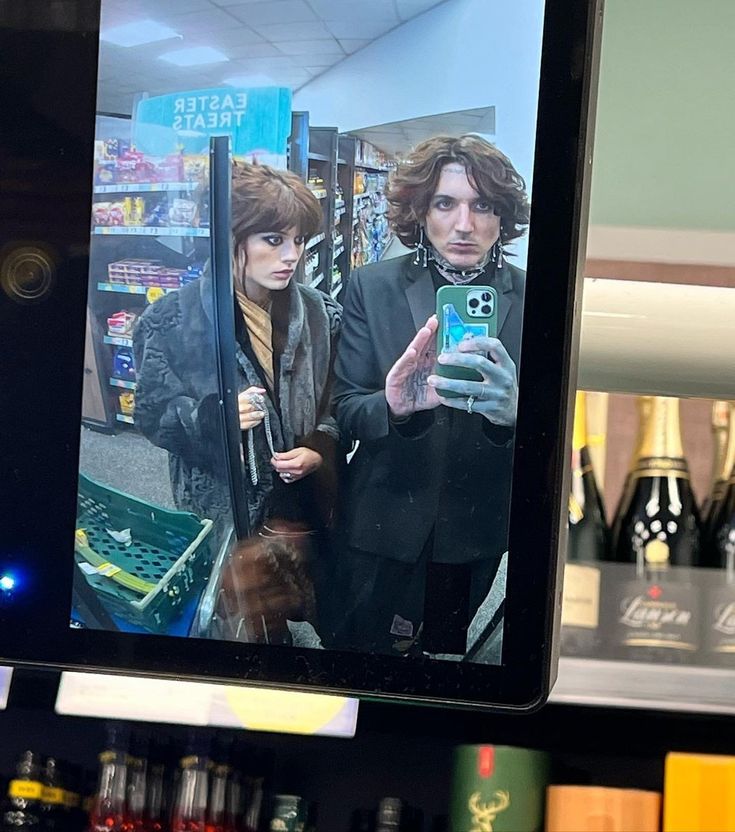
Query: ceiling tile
x=368, y=29
x=355, y=10
x=317, y=61
x=310, y=47
x=253, y=50
x=293, y=31
x=265, y=65
x=410, y=8
x=225, y=3
x=277, y=11
x=351, y=45
x=207, y=21
x=237, y=35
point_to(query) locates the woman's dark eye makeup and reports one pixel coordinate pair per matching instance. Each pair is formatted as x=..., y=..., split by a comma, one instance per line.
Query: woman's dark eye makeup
x=277, y=239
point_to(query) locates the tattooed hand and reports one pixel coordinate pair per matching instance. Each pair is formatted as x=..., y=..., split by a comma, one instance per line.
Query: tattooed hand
x=406, y=387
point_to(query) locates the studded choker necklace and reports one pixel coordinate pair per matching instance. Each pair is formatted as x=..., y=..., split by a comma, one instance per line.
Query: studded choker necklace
x=454, y=275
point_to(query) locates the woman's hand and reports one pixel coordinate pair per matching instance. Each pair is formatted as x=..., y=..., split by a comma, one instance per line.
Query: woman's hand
x=250, y=414
x=296, y=464
x=496, y=396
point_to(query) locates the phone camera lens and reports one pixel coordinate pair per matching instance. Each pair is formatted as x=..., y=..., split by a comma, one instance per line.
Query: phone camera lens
x=474, y=303
x=27, y=274
x=486, y=310
x=486, y=296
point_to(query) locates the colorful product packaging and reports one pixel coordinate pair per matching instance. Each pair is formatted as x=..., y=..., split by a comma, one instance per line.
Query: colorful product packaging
x=598, y=809
x=699, y=793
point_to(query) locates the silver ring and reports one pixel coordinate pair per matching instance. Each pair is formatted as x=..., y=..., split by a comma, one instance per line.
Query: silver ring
x=470, y=403
x=287, y=476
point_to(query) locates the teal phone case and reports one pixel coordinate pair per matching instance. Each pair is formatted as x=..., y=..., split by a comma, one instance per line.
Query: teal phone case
x=458, y=317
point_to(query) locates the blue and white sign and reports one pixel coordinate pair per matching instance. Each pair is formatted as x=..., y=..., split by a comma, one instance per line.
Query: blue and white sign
x=257, y=120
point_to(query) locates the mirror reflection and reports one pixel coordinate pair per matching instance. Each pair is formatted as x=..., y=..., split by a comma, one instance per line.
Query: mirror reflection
x=378, y=225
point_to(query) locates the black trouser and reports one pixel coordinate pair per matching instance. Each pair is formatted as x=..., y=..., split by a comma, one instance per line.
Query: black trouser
x=388, y=606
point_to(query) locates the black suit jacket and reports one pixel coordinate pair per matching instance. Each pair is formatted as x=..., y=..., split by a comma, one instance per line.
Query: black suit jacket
x=445, y=469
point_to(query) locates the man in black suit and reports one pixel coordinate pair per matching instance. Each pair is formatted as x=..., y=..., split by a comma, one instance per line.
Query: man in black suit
x=425, y=509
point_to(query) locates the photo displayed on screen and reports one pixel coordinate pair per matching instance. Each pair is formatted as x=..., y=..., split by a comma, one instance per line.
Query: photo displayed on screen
x=382, y=154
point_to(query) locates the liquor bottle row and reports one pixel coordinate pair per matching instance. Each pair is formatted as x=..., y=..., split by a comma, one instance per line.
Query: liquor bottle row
x=152, y=785
x=635, y=590
x=219, y=787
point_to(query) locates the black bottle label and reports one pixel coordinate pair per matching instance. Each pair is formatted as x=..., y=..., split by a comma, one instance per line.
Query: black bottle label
x=720, y=636
x=655, y=615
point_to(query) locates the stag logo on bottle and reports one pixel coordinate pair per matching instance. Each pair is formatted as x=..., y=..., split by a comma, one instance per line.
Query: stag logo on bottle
x=485, y=814
x=725, y=619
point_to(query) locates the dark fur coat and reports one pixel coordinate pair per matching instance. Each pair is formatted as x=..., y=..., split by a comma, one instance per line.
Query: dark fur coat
x=177, y=395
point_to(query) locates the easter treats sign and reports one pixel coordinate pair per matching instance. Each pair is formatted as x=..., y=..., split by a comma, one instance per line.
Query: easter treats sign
x=258, y=122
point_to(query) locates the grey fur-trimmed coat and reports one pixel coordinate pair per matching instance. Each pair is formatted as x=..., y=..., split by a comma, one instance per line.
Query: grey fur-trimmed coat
x=177, y=396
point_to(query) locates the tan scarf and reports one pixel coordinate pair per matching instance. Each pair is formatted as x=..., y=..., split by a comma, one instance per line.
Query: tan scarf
x=260, y=328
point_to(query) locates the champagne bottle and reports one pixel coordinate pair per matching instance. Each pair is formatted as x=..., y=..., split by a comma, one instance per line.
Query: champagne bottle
x=723, y=429
x=720, y=554
x=652, y=603
x=587, y=545
x=644, y=410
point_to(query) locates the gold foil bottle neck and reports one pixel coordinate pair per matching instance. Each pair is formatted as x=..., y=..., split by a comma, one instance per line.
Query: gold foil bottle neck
x=644, y=409
x=661, y=435
x=579, y=434
x=726, y=455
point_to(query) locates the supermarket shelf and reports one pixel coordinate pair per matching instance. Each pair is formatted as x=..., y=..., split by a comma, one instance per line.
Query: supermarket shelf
x=146, y=187
x=149, y=231
x=119, y=382
x=121, y=417
x=372, y=168
x=637, y=336
x=118, y=340
x=129, y=289
x=336, y=289
x=314, y=241
x=639, y=685
x=318, y=157
x=317, y=280
x=338, y=251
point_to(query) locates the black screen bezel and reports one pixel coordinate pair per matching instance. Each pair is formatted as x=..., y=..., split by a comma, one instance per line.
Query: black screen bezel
x=34, y=621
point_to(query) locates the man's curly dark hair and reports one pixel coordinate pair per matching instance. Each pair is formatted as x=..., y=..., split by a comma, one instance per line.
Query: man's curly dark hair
x=490, y=172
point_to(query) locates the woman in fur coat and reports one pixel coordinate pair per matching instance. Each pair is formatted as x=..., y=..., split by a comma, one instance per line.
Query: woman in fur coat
x=286, y=339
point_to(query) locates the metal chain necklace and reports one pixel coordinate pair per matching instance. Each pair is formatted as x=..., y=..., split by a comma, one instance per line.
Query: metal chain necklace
x=258, y=401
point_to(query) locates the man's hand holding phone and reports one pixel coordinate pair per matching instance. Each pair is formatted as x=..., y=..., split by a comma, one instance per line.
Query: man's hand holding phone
x=406, y=386
x=496, y=396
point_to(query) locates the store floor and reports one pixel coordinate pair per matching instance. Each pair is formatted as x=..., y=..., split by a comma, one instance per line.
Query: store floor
x=128, y=462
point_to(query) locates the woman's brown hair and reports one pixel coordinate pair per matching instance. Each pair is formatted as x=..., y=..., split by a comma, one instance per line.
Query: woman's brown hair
x=266, y=199
x=490, y=172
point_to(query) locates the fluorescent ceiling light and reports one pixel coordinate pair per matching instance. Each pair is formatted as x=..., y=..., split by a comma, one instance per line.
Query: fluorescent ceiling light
x=255, y=80
x=195, y=56
x=136, y=34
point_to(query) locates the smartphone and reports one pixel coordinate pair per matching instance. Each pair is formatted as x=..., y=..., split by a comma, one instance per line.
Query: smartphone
x=463, y=312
